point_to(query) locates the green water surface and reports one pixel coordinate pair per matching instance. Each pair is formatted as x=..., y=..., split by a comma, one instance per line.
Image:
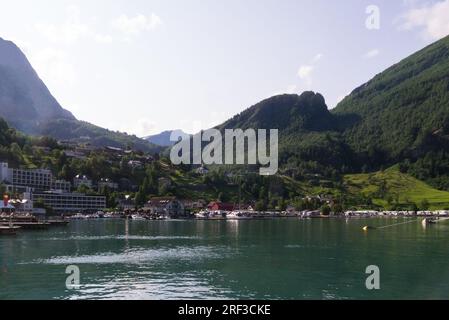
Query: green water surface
x=259, y=259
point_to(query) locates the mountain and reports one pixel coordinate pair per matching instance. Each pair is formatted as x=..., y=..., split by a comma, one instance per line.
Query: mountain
x=309, y=136
x=25, y=101
x=403, y=111
x=401, y=116
x=163, y=139
x=27, y=105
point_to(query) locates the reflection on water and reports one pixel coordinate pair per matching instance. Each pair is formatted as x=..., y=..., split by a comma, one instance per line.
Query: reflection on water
x=137, y=256
x=272, y=259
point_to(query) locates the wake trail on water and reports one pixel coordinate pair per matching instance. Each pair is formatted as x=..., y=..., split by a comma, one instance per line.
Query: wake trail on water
x=397, y=224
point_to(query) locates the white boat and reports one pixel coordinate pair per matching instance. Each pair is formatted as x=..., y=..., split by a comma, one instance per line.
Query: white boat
x=137, y=217
x=77, y=216
x=238, y=215
x=202, y=215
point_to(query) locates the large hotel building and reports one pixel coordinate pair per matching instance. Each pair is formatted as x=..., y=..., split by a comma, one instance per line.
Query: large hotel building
x=38, y=178
x=41, y=185
x=70, y=202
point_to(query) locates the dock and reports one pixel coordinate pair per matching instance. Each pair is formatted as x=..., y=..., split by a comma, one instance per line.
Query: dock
x=28, y=225
x=8, y=231
x=58, y=223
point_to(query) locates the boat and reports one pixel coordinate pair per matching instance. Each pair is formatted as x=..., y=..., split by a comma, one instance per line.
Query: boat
x=137, y=217
x=57, y=223
x=8, y=230
x=203, y=214
x=238, y=215
x=428, y=221
x=77, y=216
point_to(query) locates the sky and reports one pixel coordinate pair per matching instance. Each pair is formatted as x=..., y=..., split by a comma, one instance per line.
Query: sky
x=145, y=66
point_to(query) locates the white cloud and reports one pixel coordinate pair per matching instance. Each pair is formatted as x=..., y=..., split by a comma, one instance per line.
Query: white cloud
x=433, y=19
x=372, y=54
x=68, y=32
x=317, y=58
x=71, y=30
x=136, y=25
x=305, y=71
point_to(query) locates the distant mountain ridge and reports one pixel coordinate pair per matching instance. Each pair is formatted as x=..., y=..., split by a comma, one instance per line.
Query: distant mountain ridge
x=27, y=104
x=25, y=101
x=163, y=139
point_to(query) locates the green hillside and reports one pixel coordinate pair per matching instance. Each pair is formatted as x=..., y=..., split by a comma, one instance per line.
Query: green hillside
x=391, y=188
x=403, y=111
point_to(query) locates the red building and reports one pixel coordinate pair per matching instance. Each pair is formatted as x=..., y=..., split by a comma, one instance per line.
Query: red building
x=220, y=206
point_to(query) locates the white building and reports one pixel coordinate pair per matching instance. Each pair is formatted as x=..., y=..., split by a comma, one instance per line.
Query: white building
x=35, y=178
x=61, y=185
x=166, y=206
x=40, y=179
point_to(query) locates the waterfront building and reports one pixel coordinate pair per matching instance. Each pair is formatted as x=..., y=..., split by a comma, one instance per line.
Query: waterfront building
x=194, y=205
x=127, y=204
x=165, y=206
x=220, y=206
x=22, y=205
x=70, y=202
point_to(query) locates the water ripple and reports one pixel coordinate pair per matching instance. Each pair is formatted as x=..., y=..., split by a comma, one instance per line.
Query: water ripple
x=140, y=256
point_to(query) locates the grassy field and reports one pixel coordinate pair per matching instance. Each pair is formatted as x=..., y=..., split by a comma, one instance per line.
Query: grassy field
x=387, y=189
x=397, y=187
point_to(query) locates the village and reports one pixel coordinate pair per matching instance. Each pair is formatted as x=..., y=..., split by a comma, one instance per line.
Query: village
x=35, y=199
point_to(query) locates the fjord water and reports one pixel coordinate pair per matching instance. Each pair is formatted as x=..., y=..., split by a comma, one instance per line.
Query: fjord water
x=260, y=259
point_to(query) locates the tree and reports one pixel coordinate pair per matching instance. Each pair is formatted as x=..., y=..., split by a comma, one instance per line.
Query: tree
x=141, y=197
x=299, y=205
x=337, y=208
x=261, y=206
x=326, y=210
x=425, y=204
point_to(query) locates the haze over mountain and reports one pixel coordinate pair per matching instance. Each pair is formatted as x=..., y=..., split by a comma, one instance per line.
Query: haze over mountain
x=27, y=104
x=25, y=101
x=163, y=139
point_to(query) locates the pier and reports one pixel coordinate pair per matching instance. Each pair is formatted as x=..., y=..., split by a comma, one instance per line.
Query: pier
x=8, y=231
